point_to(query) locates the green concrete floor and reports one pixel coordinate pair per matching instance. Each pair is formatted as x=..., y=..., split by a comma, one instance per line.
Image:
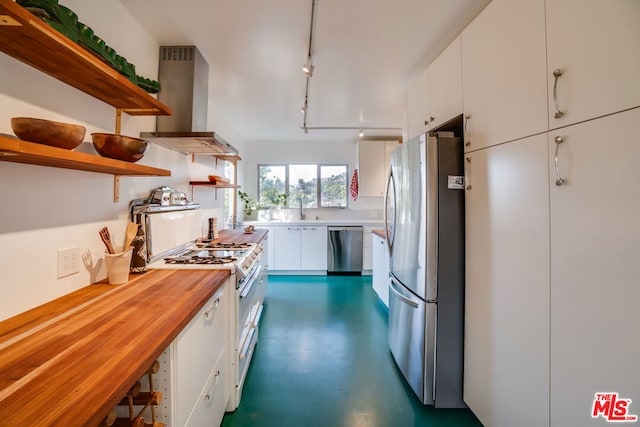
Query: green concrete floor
x=322, y=360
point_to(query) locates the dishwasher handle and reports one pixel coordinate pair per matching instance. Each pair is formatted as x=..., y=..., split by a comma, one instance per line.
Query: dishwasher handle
x=345, y=228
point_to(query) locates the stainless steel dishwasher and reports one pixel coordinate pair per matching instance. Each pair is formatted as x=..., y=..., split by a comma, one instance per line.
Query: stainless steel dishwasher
x=344, y=251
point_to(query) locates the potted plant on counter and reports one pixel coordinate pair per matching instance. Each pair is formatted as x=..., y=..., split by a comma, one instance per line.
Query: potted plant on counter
x=270, y=204
x=250, y=204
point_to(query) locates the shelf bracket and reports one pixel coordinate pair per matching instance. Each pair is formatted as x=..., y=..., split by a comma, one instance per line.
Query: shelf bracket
x=118, y=120
x=116, y=188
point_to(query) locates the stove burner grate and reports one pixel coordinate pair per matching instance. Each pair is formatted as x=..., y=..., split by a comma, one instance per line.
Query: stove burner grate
x=198, y=259
x=220, y=245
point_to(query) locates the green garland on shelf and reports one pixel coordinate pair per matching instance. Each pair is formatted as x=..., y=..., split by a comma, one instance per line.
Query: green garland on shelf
x=65, y=21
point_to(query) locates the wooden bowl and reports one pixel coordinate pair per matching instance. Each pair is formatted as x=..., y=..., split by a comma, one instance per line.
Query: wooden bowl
x=119, y=147
x=47, y=132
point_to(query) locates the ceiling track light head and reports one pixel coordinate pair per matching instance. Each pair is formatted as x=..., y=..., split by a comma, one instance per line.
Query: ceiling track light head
x=308, y=68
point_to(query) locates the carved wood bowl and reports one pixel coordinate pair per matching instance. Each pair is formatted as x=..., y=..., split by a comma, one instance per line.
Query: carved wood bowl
x=119, y=147
x=47, y=132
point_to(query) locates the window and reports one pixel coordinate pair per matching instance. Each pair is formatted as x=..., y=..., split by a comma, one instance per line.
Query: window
x=306, y=185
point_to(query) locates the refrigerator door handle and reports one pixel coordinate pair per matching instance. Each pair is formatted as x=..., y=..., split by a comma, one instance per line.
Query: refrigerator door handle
x=394, y=289
x=390, y=187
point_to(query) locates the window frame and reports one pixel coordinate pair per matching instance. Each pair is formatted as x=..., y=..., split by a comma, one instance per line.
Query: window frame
x=318, y=182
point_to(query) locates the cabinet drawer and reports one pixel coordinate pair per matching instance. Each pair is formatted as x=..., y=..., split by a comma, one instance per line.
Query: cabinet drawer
x=212, y=401
x=197, y=348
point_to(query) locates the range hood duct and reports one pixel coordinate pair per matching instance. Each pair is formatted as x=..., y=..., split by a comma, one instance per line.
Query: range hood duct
x=183, y=75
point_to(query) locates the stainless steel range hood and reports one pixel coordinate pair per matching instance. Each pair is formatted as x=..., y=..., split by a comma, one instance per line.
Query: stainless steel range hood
x=184, y=77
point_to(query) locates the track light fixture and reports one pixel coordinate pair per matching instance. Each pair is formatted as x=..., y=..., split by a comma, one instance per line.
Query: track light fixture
x=308, y=67
x=361, y=134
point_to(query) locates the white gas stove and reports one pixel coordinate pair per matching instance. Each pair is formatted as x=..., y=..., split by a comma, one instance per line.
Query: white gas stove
x=173, y=242
x=198, y=255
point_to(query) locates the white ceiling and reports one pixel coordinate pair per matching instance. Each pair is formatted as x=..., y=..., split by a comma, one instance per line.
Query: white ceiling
x=364, y=51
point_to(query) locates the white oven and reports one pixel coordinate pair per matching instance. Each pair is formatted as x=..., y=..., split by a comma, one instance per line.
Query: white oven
x=167, y=248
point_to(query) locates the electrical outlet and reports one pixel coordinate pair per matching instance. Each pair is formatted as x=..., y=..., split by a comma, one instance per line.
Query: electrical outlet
x=68, y=261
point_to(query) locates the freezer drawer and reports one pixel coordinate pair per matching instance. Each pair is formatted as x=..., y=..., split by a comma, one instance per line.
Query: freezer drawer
x=412, y=339
x=344, y=250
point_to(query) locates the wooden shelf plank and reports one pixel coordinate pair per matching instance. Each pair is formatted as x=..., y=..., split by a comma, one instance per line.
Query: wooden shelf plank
x=228, y=157
x=213, y=184
x=30, y=40
x=18, y=151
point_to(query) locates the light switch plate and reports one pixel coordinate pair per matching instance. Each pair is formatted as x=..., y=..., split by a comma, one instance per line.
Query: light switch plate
x=68, y=261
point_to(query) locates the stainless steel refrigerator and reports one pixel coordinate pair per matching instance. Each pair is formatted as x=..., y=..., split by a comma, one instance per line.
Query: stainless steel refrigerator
x=424, y=222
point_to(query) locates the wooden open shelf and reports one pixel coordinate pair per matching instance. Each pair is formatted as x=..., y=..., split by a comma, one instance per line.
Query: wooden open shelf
x=213, y=184
x=18, y=151
x=30, y=40
x=227, y=157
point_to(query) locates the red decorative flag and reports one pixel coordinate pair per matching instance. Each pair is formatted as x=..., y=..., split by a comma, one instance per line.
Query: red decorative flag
x=354, y=185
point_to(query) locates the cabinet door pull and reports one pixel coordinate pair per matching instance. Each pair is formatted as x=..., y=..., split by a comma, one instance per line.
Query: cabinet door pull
x=466, y=174
x=559, y=180
x=556, y=74
x=209, y=394
x=212, y=309
x=467, y=141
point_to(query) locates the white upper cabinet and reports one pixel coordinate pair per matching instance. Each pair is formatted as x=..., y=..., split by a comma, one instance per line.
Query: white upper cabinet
x=445, y=85
x=504, y=74
x=418, y=109
x=373, y=160
x=596, y=45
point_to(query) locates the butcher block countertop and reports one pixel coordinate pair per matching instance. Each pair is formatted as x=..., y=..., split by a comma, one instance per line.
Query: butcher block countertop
x=379, y=233
x=239, y=236
x=70, y=361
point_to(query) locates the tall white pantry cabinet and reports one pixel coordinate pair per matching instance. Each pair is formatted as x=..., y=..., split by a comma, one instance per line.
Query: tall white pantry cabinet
x=552, y=271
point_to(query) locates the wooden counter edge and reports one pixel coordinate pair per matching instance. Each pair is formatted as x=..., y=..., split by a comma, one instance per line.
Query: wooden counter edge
x=19, y=327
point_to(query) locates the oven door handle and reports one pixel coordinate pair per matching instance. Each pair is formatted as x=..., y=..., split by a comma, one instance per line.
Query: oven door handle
x=247, y=344
x=256, y=319
x=250, y=282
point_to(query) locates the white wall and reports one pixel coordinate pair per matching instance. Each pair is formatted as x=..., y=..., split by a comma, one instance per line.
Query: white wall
x=330, y=152
x=45, y=209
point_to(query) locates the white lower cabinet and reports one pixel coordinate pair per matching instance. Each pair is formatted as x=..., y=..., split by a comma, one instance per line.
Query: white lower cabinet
x=313, y=248
x=194, y=370
x=286, y=248
x=506, y=366
x=380, y=279
x=300, y=248
x=595, y=272
x=212, y=401
x=267, y=245
x=367, y=249
x=552, y=275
